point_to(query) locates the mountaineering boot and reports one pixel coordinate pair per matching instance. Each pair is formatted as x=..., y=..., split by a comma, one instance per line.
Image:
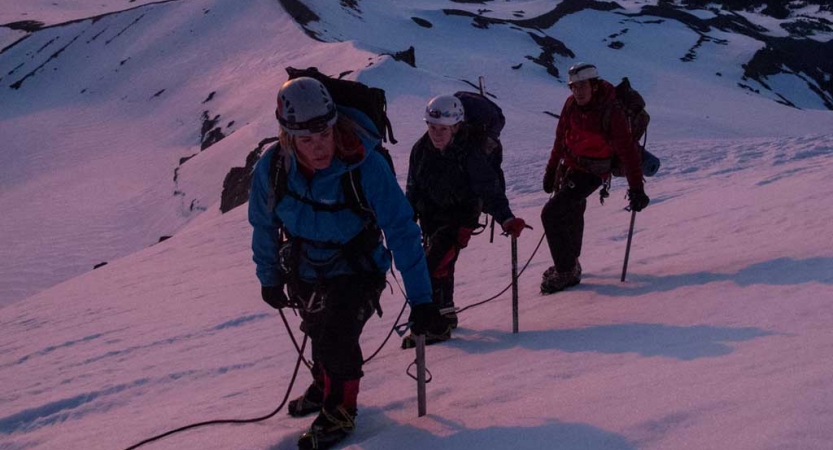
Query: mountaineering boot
x=337, y=418
x=558, y=281
x=441, y=334
x=434, y=326
x=328, y=429
x=551, y=270
x=450, y=316
x=311, y=401
x=313, y=398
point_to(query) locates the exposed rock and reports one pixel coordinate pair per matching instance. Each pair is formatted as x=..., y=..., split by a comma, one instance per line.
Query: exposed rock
x=549, y=47
x=779, y=9
x=352, y=4
x=25, y=25
x=808, y=26
x=812, y=58
x=303, y=15
x=237, y=181
x=422, y=22
x=210, y=133
x=406, y=56
x=564, y=8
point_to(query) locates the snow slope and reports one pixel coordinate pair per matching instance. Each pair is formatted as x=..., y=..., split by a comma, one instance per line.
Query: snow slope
x=720, y=338
x=101, y=116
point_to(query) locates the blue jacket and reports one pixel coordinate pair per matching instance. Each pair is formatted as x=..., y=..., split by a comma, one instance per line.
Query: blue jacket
x=384, y=196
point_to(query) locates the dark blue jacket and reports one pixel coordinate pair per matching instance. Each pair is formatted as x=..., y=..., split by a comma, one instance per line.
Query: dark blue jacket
x=457, y=184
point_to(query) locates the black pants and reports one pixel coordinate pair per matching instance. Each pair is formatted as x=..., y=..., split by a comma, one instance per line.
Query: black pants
x=335, y=314
x=443, y=242
x=563, y=218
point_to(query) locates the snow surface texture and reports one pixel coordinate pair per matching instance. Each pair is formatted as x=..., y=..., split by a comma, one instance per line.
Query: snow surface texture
x=719, y=339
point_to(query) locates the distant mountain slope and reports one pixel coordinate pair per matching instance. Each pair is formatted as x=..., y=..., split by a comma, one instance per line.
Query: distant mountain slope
x=792, y=69
x=34, y=14
x=134, y=116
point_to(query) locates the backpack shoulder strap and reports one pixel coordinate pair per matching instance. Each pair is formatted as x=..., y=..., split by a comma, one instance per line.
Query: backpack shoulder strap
x=277, y=175
x=607, y=113
x=354, y=197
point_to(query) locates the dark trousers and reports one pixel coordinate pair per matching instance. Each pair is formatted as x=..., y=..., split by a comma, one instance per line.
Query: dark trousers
x=443, y=242
x=563, y=218
x=334, y=317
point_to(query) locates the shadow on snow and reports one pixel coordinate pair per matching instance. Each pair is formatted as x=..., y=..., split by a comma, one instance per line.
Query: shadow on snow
x=776, y=272
x=561, y=435
x=646, y=339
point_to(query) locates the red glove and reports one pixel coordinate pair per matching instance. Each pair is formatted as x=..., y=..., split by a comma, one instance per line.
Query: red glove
x=463, y=237
x=514, y=227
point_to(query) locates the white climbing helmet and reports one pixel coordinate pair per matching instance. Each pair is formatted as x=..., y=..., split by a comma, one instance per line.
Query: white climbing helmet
x=444, y=110
x=582, y=71
x=305, y=107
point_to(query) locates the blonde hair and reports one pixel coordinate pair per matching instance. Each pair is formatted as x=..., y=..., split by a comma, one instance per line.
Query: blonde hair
x=343, y=127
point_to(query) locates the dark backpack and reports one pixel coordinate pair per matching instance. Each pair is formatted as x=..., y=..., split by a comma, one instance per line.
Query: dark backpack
x=369, y=100
x=485, y=116
x=482, y=113
x=633, y=106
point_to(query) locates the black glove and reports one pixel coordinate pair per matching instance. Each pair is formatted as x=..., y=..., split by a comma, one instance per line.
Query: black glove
x=638, y=200
x=274, y=296
x=549, y=179
x=424, y=317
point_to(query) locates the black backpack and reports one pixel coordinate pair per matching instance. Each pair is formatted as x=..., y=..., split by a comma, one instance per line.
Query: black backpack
x=369, y=100
x=485, y=116
x=633, y=106
x=482, y=113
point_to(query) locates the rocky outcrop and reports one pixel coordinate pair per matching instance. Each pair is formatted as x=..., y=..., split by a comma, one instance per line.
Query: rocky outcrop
x=237, y=181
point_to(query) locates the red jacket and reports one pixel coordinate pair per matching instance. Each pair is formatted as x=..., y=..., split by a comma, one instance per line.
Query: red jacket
x=579, y=134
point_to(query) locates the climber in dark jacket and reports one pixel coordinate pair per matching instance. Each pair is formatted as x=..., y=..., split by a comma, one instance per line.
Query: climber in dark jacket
x=451, y=181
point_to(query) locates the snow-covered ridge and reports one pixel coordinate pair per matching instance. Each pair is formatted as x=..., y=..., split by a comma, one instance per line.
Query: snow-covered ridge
x=722, y=325
x=173, y=78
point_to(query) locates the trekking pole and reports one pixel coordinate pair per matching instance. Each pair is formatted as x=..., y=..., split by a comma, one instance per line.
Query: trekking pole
x=628, y=247
x=420, y=360
x=514, y=285
x=481, y=84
